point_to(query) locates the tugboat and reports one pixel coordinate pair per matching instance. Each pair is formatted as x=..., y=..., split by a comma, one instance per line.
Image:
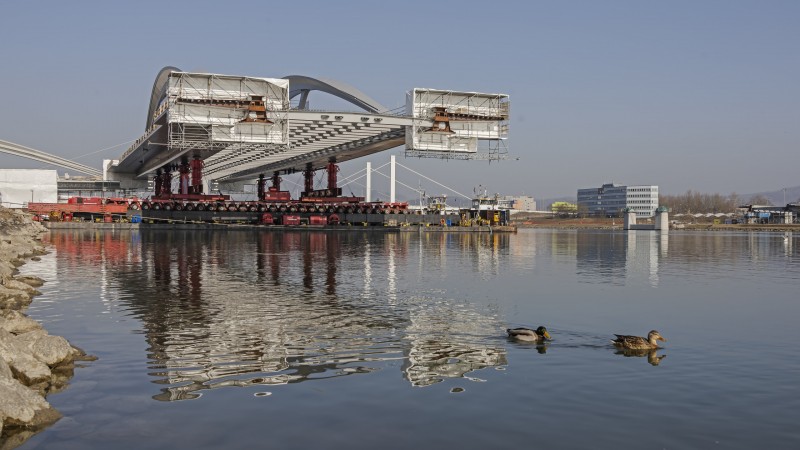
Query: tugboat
x=486, y=210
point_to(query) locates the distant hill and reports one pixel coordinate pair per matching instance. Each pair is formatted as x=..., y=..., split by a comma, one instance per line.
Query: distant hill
x=776, y=197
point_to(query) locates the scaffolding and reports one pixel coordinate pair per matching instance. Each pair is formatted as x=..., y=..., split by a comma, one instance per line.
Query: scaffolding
x=465, y=125
x=209, y=112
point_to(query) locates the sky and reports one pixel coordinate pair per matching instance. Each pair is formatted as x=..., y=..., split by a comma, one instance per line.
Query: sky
x=700, y=95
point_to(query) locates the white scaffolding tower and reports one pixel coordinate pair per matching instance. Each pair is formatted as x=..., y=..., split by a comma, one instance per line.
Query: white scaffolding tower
x=466, y=125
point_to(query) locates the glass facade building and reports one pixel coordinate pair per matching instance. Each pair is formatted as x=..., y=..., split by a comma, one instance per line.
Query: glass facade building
x=610, y=199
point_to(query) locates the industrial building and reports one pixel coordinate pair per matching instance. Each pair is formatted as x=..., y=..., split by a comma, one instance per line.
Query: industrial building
x=768, y=214
x=611, y=199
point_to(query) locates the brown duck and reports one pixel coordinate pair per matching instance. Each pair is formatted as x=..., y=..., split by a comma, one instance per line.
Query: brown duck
x=638, y=342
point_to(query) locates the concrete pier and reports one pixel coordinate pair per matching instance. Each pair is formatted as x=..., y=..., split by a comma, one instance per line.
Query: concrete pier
x=660, y=221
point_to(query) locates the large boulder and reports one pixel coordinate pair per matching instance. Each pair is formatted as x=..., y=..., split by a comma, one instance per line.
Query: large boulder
x=23, y=364
x=19, y=405
x=11, y=283
x=13, y=298
x=17, y=323
x=30, y=280
x=51, y=350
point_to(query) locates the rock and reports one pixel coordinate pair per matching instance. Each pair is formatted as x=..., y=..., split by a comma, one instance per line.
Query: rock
x=51, y=350
x=13, y=298
x=24, y=366
x=22, y=406
x=5, y=371
x=11, y=283
x=17, y=323
x=6, y=269
x=30, y=280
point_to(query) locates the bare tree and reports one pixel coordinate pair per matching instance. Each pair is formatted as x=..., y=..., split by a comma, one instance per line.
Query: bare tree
x=760, y=200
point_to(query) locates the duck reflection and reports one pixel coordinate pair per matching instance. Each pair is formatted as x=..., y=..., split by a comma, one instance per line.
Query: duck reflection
x=652, y=354
x=541, y=347
x=242, y=309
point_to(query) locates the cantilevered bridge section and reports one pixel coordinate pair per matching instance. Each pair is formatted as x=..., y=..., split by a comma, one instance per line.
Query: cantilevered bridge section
x=237, y=128
x=317, y=138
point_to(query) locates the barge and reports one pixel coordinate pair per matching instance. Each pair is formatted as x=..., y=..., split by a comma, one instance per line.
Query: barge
x=273, y=207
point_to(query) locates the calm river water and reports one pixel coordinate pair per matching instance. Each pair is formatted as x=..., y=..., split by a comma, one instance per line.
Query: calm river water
x=358, y=339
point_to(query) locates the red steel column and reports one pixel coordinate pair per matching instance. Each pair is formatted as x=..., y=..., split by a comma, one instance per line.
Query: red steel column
x=157, y=182
x=261, y=187
x=309, y=179
x=276, y=181
x=197, y=175
x=184, y=169
x=333, y=169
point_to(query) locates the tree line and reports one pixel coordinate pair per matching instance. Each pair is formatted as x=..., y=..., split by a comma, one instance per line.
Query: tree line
x=695, y=202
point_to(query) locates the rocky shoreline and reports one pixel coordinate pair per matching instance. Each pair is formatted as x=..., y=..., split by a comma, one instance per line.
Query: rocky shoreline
x=33, y=363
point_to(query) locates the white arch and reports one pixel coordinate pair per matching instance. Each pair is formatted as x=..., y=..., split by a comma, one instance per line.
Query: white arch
x=26, y=152
x=301, y=85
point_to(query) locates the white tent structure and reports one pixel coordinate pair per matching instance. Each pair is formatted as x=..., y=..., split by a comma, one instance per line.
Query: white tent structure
x=18, y=187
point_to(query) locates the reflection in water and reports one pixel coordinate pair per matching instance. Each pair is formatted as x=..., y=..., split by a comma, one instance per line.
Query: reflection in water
x=616, y=258
x=246, y=308
x=787, y=243
x=448, y=341
x=652, y=354
x=242, y=308
x=541, y=347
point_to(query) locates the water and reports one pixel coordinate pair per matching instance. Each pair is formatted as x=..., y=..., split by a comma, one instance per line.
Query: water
x=362, y=339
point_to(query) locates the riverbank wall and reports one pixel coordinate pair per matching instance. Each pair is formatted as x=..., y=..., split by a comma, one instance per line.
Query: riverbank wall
x=33, y=363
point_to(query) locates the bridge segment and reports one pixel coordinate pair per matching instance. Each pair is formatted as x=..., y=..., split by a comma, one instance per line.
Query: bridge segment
x=242, y=127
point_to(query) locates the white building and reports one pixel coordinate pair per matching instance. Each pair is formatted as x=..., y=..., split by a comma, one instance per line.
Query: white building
x=610, y=199
x=519, y=202
x=18, y=187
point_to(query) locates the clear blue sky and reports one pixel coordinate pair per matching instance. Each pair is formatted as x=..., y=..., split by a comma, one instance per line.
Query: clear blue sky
x=701, y=95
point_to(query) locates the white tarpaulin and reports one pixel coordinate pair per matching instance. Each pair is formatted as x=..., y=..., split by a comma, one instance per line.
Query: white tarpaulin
x=18, y=187
x=200, y=86
x=469, y=116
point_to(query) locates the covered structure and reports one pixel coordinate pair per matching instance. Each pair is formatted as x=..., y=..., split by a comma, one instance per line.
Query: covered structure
x=18, y=187
x=238, y=127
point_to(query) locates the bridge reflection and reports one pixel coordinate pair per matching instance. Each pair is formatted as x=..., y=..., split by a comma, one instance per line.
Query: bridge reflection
x=268, y=308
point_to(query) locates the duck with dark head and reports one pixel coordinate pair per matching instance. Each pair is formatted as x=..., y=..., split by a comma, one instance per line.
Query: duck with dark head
x=528, y=335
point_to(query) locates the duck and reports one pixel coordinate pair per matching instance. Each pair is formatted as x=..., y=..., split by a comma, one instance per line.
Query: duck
x=526, y=334
x=638, y=342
